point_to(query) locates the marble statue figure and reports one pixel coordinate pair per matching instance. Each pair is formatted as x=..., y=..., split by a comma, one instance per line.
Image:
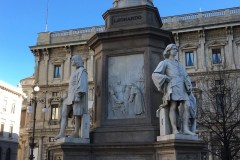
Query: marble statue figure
x=136, y=97
x=117, y=94
x=171, y=78
x=76, y=99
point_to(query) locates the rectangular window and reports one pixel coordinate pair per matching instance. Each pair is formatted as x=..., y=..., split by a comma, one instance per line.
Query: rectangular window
x=57, y=69
x=10, y=131
x=219, y=82
x=13, y=108
x=52, y=139
x=194, y=85
x=4, y=107
x=23, y=118
x=1, y=129
x=189, y=58
x=54, y=112
x=219, y=102
x=216, y=56
x=55, y=94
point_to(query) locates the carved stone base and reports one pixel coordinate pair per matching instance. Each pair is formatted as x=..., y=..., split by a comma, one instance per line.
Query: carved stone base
x=73, y=140
x=181, y=150
x=178, y=137
x=164, y=150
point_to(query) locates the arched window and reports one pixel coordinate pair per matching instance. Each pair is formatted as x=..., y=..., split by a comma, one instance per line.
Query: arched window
x=8, y=154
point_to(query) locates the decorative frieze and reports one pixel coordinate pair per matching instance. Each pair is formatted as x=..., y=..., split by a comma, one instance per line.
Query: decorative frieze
x=189, y=37
x=215, y=34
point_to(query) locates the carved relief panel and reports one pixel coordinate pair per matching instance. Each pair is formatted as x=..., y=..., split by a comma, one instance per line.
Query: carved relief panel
x=126, y=87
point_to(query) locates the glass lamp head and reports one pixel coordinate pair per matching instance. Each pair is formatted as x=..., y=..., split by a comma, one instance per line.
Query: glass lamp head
x=29, y=109
x=36, y=89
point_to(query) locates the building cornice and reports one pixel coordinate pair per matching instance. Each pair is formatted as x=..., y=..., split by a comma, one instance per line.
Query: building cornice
x=11, y=89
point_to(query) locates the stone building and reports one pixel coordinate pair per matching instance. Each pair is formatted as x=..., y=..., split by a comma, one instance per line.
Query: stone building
x=10, y=108
x=26, y=119
x=205, y=40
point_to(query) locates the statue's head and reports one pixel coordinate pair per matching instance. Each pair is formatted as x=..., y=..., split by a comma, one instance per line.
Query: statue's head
x=77, y=61
x=170, y=49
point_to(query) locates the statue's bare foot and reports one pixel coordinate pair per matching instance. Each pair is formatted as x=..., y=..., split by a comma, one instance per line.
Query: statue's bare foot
x=59, y=136
x=188, y=132
x=175, y=132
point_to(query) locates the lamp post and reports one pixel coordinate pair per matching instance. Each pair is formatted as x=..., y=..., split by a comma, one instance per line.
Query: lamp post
x=36, y=89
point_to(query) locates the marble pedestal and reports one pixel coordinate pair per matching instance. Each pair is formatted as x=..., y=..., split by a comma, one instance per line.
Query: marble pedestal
x=162, y=150
x=73, y=140
x=177, y=149
x=126, y=55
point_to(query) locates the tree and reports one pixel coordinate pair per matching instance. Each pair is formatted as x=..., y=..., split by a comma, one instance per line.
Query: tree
x=219, y=113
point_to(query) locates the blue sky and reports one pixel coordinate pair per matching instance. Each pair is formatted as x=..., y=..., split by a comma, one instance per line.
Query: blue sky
x=22, y=20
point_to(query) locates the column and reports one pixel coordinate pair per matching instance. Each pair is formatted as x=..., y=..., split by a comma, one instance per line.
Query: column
x=37, y=61
x=46, y=59
x=40, y=148
x=68, y=50
x=91, y=66
x=176, y=38
x=230, y=56
x=202, y=62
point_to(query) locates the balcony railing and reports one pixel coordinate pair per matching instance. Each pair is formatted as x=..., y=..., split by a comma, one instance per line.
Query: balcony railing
x=170, y=19
x=207, y=14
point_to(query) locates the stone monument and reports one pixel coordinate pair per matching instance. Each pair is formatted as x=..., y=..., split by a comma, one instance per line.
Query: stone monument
x=126, y=54
x=76, y=99
x=125, y=125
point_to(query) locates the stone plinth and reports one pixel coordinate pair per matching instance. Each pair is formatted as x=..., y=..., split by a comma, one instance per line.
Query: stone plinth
x=125, y=56
x=124, y=151
x=178, y=137
x=73, y=140
x=129, y=3
x=164, y=150
x=132, y=17
x=181, y=150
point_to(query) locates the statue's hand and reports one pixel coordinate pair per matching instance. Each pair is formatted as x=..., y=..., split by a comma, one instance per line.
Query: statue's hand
x=77, y=99
x=168, y=79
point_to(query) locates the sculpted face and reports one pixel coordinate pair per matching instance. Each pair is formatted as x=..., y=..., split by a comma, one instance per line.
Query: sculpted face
x=173, y=51
x=77, y=61
x=74, y=62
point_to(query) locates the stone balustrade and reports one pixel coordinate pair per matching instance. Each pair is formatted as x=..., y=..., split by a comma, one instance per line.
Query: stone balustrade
x=169, y=23
x=207, y=14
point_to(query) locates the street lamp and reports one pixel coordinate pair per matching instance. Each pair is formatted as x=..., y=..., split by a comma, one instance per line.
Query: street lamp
x=36, y=89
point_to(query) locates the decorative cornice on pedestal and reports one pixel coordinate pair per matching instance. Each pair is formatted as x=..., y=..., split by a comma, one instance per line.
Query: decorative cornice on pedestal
x=130, y=3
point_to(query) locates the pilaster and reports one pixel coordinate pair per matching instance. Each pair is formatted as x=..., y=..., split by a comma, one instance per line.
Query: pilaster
x=202, y=57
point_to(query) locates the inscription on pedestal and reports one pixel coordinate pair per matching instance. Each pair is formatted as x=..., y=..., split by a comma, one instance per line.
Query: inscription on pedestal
x=127, y=19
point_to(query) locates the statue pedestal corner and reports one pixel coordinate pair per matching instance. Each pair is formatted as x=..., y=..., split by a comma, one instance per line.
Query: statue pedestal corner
x=178, y=137
x=73, y=140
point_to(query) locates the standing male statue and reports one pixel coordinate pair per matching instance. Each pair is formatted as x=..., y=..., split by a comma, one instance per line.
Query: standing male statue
x=76, y=99
x=171, y=78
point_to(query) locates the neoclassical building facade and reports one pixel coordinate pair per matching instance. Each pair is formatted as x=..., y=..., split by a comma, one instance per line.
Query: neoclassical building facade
x=11, y=99
x=205, y=40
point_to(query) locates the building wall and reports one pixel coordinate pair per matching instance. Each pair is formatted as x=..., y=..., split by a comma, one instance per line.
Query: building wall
x=10, y=110
x=198, y=33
